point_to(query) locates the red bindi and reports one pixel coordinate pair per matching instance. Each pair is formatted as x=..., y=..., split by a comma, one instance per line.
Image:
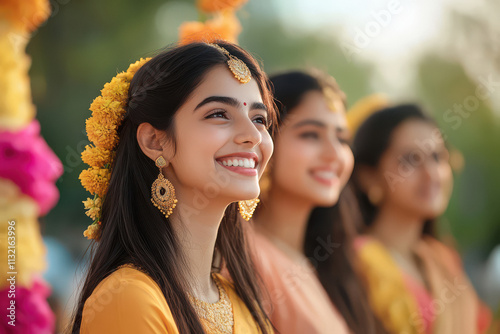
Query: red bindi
x=244, y=103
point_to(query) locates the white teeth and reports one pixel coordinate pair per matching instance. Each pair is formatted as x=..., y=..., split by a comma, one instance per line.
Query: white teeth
x=246, y=163
x=325, y=175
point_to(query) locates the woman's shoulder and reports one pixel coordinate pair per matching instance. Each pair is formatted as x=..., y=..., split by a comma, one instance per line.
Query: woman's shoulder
x=127, y=301
x=268, y=258
x=369, y=250
x=128, y=281
x=443, y=253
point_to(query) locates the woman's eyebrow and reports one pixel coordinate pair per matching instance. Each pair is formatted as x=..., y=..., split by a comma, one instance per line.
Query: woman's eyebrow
x=230, y=101
x=258, y=105
x=343, y=129
x=222, y=99
x=320, y=124
x=310, y=122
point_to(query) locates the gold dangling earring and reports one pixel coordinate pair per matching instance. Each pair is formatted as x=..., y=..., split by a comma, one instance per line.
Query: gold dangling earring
x=247, y=208
x=162, y=191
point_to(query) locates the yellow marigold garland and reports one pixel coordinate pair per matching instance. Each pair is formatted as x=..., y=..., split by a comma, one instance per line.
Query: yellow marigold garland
x=16, y=107
x=96, y=180
x=23, y=209
x=97, y=156
x=108, y=111
x=93, y=206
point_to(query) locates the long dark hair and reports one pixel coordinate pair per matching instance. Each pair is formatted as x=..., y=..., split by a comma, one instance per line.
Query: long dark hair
x=372, y=139
x=332, y=225
x=133, y=230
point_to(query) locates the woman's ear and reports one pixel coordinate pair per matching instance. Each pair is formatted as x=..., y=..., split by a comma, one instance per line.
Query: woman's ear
x=152, y=141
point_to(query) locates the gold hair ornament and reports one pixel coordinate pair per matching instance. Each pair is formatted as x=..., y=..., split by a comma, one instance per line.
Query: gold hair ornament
x=363, y=109
x=237, y=66
x=332, y=98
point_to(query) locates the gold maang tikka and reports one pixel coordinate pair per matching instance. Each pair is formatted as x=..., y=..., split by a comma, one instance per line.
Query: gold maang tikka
x=236, y=65
x=162, y=191
x=331, y=98
x=247, y=208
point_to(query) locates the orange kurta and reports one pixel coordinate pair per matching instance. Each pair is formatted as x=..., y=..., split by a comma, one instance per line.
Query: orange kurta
x=129, y=302
x=296, y=301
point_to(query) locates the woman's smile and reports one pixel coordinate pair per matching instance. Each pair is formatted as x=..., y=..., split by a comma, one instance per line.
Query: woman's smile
x=327, y=177
x=244, y=163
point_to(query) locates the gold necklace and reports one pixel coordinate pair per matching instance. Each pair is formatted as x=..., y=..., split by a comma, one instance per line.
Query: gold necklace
x=216, y=317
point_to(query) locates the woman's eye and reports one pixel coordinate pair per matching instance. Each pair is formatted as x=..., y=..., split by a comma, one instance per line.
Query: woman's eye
x=218, y=114
x=343, y=140
x=261, y=120
x=309, y=135
x=409, y=158
x=444, y=156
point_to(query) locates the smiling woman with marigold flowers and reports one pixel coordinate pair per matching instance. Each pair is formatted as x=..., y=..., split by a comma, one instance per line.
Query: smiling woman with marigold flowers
x=176, y=141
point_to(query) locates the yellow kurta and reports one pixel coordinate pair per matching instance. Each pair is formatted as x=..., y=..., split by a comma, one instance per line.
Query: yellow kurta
x=454, y=308
x=129, y=301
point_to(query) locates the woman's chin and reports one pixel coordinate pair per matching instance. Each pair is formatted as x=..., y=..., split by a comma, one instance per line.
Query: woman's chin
x=326, y=201
x=247, y=195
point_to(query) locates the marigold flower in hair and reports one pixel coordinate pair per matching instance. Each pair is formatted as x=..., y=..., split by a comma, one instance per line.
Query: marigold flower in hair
x=108, y=112
x=93, y=207
x=97, y=156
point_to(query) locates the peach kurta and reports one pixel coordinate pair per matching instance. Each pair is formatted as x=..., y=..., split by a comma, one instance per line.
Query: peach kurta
x=296, y=301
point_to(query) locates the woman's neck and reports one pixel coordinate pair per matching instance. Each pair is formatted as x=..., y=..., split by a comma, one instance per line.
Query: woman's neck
x=398, y=230
x=284, y=217
x=196, y=230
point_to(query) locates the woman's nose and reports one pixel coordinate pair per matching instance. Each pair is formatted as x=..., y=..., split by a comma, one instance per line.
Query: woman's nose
x=332, y=149
x=247, y=133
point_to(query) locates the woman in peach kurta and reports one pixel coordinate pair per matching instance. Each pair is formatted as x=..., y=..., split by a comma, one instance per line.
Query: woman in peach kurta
x=295, y=301
x=312, y=286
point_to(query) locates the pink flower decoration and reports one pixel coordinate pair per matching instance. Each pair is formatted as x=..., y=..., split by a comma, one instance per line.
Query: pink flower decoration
x=32, y=312
x=27, y=160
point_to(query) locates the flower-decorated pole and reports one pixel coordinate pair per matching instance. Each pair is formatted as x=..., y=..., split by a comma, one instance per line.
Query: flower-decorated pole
x=28, y=171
